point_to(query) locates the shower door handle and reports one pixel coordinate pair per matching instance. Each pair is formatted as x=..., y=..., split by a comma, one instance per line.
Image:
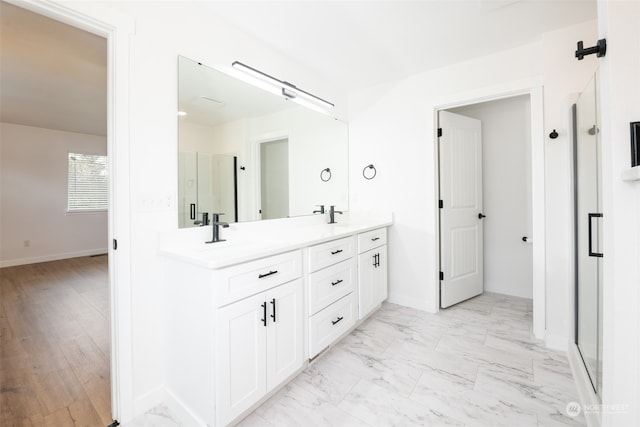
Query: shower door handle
x=590, y=237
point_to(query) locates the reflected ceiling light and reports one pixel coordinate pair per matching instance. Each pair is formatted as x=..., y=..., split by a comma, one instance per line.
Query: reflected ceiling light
x=182, y=113
x=286, y=89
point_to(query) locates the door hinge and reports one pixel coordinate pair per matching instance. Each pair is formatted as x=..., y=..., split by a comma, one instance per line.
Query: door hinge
x=115, y=244
x=441, y=275
x=440, y=204
x=439, y=132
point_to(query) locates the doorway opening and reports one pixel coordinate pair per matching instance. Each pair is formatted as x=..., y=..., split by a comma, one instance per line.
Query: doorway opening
x=504, y=225
x=72, y=21
x=274, y=179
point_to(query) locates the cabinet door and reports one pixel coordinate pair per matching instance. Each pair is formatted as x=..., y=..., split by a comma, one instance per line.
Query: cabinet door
x=372, y=280
x=285, y=332
x=240, y=356
x=380, y=276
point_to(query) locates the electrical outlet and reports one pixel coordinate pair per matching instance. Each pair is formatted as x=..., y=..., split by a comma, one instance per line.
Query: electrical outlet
x=27, y=243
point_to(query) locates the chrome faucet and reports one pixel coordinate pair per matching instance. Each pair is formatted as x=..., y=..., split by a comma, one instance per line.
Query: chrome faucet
x=204, y=221
x=216, y=230
x=321, y=210
x=332, y=212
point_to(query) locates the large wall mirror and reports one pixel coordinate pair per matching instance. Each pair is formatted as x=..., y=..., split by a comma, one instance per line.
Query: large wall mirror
x=249, y=154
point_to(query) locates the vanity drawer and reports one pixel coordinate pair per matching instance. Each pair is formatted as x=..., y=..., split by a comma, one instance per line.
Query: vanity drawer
x=330, y=284
x=240, y=281
x=372, y=239
x=329, y=324
x=329, y=253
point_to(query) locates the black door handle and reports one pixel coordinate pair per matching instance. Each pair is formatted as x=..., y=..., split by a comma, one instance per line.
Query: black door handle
x=337, y=320
x=264, y=313
x=591, y=253
x=192, y=211
x=481, y=215
x=336, y=252
x=273, y=305
x=337, y=282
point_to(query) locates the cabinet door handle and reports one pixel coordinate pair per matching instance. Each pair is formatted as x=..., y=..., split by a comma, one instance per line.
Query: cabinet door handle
x=590, y=237
x=376, y=260
x=273, y=305
x=264, y=313
x=333, y=322
x=337, y=282
x=192, y=211
x=336, y=252
x=374, y=239
x=261, y=276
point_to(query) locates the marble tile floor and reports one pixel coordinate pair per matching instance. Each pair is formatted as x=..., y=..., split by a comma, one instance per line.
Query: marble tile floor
x=474, y=364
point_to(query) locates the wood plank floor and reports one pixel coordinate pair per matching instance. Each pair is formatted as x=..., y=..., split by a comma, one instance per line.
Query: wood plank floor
x=54, y=344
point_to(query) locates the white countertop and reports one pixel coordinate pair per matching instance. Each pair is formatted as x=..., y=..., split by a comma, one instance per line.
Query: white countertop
x=250, y=241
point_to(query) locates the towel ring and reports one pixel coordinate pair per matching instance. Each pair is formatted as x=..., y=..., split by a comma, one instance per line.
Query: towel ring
x=370, y=175
x=325, y=174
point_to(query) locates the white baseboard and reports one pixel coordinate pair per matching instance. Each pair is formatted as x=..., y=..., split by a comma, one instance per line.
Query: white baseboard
x=588, y=398
x=181, y=412
x=556, y=342
x=411, y=302
x=54, y=257
x=148, y=400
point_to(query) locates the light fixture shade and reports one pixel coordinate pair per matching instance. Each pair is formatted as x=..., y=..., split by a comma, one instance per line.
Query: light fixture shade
x=285, y=89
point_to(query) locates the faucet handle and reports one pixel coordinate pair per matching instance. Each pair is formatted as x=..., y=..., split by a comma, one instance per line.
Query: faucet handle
x=321, y=209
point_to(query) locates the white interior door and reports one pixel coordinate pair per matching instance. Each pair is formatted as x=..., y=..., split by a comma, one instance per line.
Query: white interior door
x=461, y=229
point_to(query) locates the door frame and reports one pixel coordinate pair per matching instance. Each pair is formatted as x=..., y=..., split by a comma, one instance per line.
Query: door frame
x=116, y=29
x=535, y=92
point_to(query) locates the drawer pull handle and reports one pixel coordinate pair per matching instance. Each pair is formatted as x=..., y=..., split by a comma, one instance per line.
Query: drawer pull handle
x=337, y=320
x=337, y=282
x=264, y=313
x=273, y=304
x=261, y=276
x=374, y=239
x=336, y=252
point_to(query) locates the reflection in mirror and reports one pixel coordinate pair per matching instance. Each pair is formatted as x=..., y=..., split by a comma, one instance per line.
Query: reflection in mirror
x=249, y=154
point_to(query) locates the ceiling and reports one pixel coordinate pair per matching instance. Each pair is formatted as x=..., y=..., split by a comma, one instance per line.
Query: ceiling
x=355, y=44
x=54, y=76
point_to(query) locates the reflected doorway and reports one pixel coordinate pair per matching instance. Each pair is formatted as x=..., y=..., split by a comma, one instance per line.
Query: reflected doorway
x=274, y=179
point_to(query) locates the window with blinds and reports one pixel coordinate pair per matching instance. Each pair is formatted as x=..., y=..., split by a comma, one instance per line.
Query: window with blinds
x=88, y=182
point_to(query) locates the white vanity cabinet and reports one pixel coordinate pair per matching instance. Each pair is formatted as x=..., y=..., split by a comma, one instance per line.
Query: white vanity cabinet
x=243, y=318
x=234, y=334
x=372, y=270
x=331, y=284
x=259, y=342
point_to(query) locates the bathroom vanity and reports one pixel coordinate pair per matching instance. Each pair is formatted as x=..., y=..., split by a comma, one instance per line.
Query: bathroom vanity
x=250, y=313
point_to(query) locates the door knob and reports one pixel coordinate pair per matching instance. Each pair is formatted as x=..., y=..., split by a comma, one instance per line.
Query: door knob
x=481, y=215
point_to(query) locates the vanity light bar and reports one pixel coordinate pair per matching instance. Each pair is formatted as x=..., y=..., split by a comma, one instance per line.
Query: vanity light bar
x=289, y=91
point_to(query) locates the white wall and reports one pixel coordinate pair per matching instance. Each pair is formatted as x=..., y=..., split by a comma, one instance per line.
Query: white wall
x=619, y=105
x=506, y=180
x=392, y=126
x=33, y=197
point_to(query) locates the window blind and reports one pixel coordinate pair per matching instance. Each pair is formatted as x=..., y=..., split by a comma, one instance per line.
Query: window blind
x=88, y=182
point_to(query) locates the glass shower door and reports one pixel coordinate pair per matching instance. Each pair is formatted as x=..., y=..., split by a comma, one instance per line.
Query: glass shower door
x=588, y=219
